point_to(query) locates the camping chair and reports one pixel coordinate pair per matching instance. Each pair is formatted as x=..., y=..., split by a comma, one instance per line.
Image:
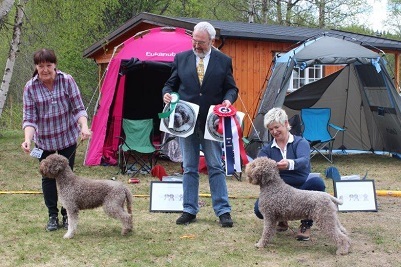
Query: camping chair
x=316, y=122
x=137, y=153
x=296, y=125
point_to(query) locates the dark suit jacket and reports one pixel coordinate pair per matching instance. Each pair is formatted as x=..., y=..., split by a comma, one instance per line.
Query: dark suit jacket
x=218, y=83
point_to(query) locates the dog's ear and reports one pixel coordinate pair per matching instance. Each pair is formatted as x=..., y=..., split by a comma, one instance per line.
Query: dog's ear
x=251, y=172
x=53, y=165
x=272, y=169
x=248, y=172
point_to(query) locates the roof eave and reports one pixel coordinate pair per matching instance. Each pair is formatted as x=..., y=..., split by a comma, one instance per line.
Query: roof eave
x=221, y=32
x=257, y=36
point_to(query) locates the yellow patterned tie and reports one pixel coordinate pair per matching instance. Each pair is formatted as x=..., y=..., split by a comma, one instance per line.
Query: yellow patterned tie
x=201, y=70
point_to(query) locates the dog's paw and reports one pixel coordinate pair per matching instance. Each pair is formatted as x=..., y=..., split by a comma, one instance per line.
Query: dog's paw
x=126, y=231
x=259, y=244
x=342, y=251
x=68, y=236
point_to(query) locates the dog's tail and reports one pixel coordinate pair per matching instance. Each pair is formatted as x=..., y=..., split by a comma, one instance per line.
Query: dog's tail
x=336, y=200
x=128, y=197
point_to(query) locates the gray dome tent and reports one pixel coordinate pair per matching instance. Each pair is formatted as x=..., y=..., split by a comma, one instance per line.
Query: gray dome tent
x=362, y=95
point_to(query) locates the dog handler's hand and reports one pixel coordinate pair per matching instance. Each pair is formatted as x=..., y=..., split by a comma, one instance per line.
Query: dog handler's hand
x=167, y=98
x=283, y=164
x=29, y=132
x=85, y=131
x=85, y=134
x=26, y=146
x=226, y=103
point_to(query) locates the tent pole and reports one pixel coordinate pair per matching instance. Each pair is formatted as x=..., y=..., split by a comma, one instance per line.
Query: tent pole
x=101, y=79
x=249, y=117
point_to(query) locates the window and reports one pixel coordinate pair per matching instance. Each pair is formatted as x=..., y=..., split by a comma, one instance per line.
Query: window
x=302, y=77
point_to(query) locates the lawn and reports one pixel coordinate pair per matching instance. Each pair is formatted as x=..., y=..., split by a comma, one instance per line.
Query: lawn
x=158, y=241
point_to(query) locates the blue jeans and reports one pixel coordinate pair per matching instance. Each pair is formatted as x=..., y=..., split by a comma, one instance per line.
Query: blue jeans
x=190, y=148
x=314, y=183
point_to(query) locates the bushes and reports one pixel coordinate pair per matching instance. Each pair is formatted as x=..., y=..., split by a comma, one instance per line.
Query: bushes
x=11, y=117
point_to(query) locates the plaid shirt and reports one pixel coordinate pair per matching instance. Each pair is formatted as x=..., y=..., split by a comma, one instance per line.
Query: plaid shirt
x=53, y=114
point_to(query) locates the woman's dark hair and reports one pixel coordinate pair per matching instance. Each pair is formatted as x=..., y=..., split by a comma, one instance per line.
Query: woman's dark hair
x=44, y=55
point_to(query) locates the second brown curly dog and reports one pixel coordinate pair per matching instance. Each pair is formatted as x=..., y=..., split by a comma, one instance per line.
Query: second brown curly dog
x=279, y=201
x=78, y=193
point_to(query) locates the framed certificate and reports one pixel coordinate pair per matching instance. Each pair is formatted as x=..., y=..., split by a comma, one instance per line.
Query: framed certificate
x=357, y=195
x=166, y=196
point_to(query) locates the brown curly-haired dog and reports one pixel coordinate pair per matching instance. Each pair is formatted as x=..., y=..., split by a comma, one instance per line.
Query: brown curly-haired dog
x=279, y=201
x=78, y=193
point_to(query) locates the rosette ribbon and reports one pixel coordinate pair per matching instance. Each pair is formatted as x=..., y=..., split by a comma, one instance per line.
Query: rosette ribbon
x=170, y=112
x=230, y=127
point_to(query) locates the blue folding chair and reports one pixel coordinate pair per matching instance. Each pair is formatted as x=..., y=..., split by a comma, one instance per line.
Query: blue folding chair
x=316, y=124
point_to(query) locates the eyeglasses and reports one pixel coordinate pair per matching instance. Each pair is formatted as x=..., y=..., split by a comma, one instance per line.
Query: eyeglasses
x=199, y=42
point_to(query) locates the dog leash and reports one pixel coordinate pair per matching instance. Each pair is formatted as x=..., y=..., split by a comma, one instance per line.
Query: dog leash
x=75, y=150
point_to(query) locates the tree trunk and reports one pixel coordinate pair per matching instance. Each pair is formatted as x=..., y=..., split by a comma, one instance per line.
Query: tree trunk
x=251, y=11
x=5, y=7
x=279, y=12
x=264, y=11
x=322, y=16
x=5, y=84
x=288, y=13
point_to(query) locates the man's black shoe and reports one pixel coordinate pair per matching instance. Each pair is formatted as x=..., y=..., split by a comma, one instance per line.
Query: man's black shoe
x=65, y=222
x=52, y=224
x=186, y=218
x=225, y=220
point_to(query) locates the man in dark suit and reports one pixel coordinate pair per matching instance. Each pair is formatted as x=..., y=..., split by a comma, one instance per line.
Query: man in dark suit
x=203, y=76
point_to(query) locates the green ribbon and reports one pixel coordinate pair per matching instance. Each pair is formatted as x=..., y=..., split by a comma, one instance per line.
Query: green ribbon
x=173, y=103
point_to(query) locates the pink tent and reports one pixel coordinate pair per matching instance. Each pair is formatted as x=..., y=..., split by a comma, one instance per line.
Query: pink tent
x=132, y=87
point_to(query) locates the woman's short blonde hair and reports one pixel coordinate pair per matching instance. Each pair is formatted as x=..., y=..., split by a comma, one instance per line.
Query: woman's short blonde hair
x=276, y=115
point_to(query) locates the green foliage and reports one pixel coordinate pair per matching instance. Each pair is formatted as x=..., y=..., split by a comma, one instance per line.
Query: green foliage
x=226, y=10
x=361, y=29
x=6, y=28
x=394, y=14
x=188, y=8
x=116, y=12
x=69, y=27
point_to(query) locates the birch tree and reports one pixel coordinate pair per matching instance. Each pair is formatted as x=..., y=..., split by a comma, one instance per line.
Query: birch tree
x=5, y=7
x=394, y=16
x=8, y=72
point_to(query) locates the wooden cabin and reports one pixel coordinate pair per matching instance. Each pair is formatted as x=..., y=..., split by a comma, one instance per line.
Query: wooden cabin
x=251, y=46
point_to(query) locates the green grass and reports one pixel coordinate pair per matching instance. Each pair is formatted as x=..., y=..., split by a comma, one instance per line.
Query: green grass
x=158, y=241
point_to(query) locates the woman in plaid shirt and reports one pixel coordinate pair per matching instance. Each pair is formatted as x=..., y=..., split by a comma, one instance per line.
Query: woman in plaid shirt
x=53, y=117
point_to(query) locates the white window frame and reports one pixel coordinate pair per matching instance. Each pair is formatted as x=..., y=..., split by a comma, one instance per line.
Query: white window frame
x=300, y=77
